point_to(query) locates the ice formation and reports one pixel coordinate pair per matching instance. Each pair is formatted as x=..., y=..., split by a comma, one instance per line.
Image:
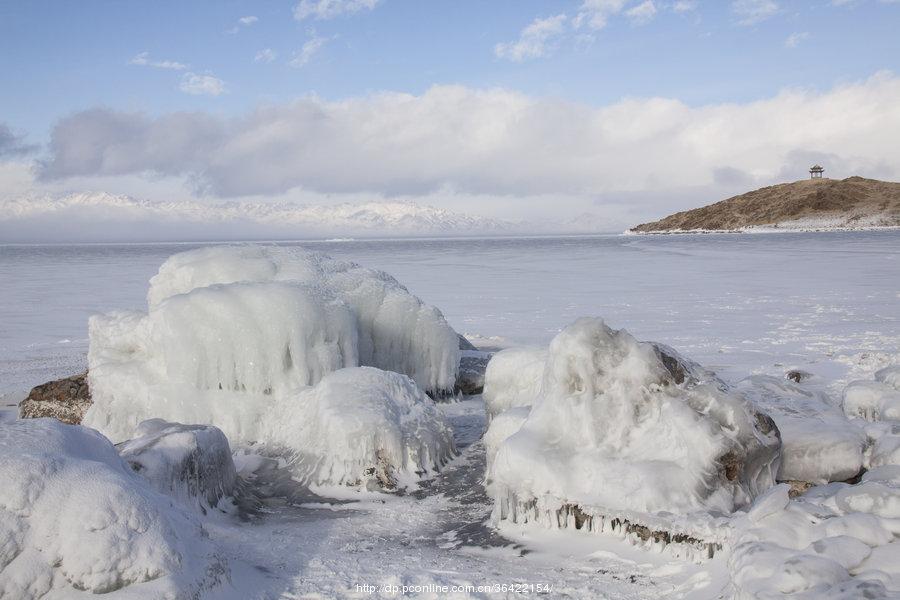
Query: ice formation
x=191, y=463
x=233, y=330
x=818, y=443
x=612, y=438
x=871, y=400
x=361, y=426
x=836, y=541
x=74, y=516
x=513, y=378
x=397, y=331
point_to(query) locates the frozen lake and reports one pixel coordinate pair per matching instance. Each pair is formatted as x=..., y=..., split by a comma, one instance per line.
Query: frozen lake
x=828, y=303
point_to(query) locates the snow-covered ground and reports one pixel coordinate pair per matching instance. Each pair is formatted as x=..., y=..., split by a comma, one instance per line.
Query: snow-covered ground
x=825, y=305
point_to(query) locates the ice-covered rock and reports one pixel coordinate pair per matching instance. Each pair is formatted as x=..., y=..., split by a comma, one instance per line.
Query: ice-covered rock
x=65, y=399
x=818, y=443
x=396, y=330
x=836, y=541
x=872, y=400
x=513, y=378
x=75, y=517
x=215, y=355
x=231, y=330
x=611, y=433
x=360, y=426
x=191, y=463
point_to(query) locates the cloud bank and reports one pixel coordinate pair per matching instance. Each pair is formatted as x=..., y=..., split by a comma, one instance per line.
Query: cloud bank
x=490, y=141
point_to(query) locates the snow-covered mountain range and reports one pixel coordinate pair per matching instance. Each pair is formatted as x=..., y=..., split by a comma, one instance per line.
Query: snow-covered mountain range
x=100, y=216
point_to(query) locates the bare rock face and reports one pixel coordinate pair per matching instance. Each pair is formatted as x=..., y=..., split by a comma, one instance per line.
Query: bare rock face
x=472, y=366
x=64, y=399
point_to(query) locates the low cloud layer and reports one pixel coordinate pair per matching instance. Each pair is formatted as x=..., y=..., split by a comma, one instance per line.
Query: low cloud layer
x=490, y=142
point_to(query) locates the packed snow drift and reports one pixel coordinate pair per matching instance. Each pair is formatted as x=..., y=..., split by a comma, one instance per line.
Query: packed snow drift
x=74, y=516
x=612, y=435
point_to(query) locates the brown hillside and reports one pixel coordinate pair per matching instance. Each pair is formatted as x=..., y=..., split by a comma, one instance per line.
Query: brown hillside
x=850, y=202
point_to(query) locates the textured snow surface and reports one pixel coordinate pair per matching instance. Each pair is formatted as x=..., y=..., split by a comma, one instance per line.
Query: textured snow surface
x=610, y=430
x=189, y=462
x=74, y=516
x=836, y=541
x=233, y=330
x=360, y=426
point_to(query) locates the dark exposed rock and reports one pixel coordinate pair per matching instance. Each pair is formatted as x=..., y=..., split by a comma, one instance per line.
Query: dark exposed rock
x=64, y=399
x=465, y=344
x=472, y=366
x=796, y=375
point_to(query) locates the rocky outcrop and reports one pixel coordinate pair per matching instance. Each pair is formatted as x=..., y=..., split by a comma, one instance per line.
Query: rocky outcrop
x=64, y=399
x=851, y=203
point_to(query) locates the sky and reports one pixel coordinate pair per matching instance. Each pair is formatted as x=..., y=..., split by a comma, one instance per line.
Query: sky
x=617, y=110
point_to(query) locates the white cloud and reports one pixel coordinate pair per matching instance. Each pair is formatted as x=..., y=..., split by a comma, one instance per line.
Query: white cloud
x=595, y=13
x=796, y=38
x=329, y=9
x=143, y=60
x=494, y=142
x=266, y=55
x=201, y=85
x=534, y=41
x=309, y=49
x=248, y=20
x=682, y=6
x=750, y=12
x=642, y=13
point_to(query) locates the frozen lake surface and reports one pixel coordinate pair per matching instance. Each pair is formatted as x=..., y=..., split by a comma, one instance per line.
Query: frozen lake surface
x=828, y=303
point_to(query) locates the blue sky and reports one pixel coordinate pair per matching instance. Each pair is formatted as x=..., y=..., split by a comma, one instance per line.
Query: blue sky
x=222, y=61
x=56, y=57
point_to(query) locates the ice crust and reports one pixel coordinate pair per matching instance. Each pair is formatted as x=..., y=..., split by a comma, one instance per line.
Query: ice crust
x=191, y=463
x=361, y=426
x=819, y=444
x=232, y=331
x=513, y=378
x=610, y=432
x=74, y=516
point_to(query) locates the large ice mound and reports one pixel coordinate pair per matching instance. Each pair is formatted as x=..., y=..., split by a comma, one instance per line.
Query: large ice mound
x=611, y=434
x=74, y=516
x=361, y=426
x=231, y=330
x=397, y=331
